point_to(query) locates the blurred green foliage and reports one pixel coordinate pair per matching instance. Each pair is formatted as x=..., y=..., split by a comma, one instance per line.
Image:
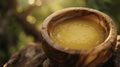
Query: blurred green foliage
x=110, y=7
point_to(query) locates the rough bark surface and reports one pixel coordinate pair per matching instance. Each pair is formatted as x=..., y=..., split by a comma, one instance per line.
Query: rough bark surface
x=30, y=56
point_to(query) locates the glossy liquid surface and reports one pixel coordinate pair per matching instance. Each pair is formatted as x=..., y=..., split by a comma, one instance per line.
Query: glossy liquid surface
x=78, y=34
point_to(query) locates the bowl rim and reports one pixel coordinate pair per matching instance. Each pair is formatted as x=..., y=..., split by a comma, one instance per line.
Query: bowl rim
x=112, y=34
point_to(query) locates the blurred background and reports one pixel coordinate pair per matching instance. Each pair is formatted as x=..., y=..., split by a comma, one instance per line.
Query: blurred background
x=20, y=20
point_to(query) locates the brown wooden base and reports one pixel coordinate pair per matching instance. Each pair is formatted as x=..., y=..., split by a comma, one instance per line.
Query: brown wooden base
x=33, y=56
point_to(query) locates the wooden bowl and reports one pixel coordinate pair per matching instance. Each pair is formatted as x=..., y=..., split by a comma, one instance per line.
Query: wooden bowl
x=94, y=57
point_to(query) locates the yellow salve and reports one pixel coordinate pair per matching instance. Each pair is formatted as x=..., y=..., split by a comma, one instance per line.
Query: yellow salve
x=77, y=33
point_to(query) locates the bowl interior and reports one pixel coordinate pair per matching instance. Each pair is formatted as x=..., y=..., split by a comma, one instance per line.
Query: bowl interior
x=87, y=14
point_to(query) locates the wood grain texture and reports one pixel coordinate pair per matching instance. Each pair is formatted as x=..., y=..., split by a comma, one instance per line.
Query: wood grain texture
x=40, y=61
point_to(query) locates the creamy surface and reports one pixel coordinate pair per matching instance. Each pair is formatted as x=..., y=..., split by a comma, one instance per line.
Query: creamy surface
x=78, y=34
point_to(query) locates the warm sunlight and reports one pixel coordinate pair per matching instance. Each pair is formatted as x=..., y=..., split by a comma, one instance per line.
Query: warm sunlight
x=35, y=2
x=31, y=19
x=38, y=2
x=31, y=2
